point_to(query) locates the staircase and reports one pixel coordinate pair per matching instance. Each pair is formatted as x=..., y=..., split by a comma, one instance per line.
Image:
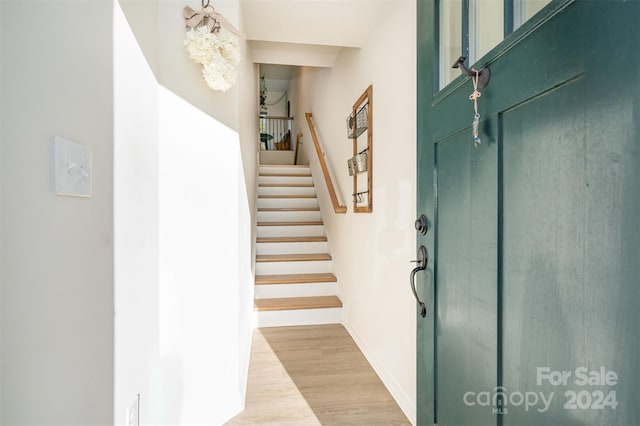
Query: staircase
x=294, y=280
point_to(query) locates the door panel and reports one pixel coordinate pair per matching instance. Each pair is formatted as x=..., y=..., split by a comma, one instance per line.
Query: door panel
x=544, y=237
x=466, y=277
x=536, y=234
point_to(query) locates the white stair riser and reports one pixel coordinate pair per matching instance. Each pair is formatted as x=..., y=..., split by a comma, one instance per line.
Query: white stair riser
x=289, y=216
x=290, y=231
x=291, y=203
x=295, y=290
x=302, y=267
x=282, y=248
x=285, y=179
x=286, y=190
x=285, y=169
x=299, y=317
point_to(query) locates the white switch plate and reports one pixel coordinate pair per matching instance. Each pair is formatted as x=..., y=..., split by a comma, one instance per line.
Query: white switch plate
x=72, y=168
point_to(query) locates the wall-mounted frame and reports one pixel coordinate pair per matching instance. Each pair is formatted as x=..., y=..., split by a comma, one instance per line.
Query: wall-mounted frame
x=360, y=130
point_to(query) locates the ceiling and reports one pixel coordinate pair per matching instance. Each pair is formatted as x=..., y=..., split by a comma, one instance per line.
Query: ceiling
x=276, y=72
x=284, y=34
x=277, y=76
x=341, y=23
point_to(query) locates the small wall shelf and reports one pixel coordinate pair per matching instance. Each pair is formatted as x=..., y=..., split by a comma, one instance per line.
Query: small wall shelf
x=359, y=130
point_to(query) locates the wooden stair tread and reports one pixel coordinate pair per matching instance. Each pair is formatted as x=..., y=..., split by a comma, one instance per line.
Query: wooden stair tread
x=289, y=196
x=304, y=257
x=286, y=185
x=305, y=223
x=284, y=166
x=290, y=303
x=318, y=239
x=295, y=279
x=289, y=209
x=317, y=283
x=285, y=174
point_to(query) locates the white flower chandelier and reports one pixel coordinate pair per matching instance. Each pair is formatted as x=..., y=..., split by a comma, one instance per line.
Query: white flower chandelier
x=213, y=43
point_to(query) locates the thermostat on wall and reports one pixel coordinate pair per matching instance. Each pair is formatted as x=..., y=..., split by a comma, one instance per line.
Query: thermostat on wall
x=72, y=168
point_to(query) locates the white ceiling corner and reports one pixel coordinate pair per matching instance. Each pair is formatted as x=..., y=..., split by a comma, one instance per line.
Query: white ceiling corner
x=309, y=32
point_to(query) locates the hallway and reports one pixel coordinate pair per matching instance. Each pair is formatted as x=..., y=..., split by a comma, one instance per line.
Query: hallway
x=137, y=302
x=313, y=375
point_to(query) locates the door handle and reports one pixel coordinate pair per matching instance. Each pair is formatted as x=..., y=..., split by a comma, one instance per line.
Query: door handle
x=423, y=259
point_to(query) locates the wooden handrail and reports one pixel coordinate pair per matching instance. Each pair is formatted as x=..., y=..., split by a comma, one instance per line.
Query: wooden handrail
x=323, y=165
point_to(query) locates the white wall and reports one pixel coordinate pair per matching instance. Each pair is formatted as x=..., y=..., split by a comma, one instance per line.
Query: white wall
x=142, y=17
x=276, y=103
x=64, y=258
x=160, y=31
x=238, y=107
x=156, y=24
x=249, y=107
x=57, y=258
x=203, y=245
x=372, y=251
x=182, y=76
x=136, y=267
x=300, y=93
x=183, y=247
x=248, y=89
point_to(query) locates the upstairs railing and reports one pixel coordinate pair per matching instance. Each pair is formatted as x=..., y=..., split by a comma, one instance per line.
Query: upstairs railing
x=337, y=207
x=275, y=133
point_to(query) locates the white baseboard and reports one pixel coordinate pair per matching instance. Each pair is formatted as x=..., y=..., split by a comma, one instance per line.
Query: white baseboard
x=405, y=403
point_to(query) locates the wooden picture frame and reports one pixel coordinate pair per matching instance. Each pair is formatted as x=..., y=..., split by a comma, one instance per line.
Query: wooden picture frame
x=363, y=181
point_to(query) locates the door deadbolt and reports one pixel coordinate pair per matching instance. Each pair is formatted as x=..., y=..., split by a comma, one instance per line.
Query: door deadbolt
x=422, y=224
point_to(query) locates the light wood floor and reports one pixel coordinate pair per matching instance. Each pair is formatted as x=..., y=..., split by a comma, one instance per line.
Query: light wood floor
x=313, y=375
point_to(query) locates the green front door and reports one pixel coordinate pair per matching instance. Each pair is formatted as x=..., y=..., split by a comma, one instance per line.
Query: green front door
x=533, y=281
